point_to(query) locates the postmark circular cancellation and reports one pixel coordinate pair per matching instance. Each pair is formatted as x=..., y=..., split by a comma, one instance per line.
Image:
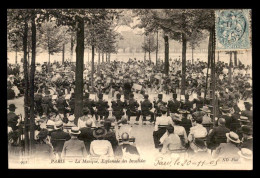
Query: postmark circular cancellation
x=232, y=29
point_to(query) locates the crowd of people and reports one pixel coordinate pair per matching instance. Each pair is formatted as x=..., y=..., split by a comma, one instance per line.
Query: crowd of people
x=183, y=124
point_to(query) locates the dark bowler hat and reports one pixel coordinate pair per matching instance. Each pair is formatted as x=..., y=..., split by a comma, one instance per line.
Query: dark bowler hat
x=100, y=96
x=12, y=107
x=247, y=130
x=187, y=96
x=118, y=96
x=146, y=96
x=160, y=96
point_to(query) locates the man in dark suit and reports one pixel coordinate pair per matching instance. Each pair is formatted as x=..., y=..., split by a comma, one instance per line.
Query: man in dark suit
x=72, y=103
x=132, y=108
x=102, y=107
x=173, y=105
x=58, y=137
x=38, y=102
x=88, y=103
x=61, y=103
x=86, y=134
x=187, y=105
x=225, y=110
x=118, y=107
x=12, y=117
x=248, y=112
x=158, y=104
x=198, y=101
x=46, y=103
x=247, y=140
x=146, y=106
x=218, y=134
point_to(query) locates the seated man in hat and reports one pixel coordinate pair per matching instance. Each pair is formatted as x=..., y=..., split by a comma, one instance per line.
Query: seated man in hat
x=229, y=149
x=248, y=112
x=12, y=118
x=88, y=103
x=132, y=108
x=198, y=101
x=58, y=137
x=225, y=114
x=102, y=108
x=158, y=104
x=72, y=103
x=101, y=147
x=218, y=134
x=38, y=102
x=247, y=140
x=43, y=148
x=173, y=105
x=47, y=103
x=125, y=149
x=74, y=148
x=172, y=142
x=61, y=104
x=197, y=131
x=86, y=134
x=146, y=106
x=160, y=126
x=118, y=107
x=186, y=105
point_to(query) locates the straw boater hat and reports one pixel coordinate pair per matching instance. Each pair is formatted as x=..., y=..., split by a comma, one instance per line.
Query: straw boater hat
x=205, y=109
x=233, y=137
x=99, y=132
x=243, y=119
x=74, y=131
x=58, y=125
x=245, y=153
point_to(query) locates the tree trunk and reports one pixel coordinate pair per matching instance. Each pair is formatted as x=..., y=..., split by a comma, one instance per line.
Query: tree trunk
x=183, y=79
x=235, y=58
x=209, y=61
x=192, y=56
x=102, y=57
x=156, y=52
x=28, y=62
x=109, y=57
x=144, y=55
x=32, y=71
x=218, y=55
x=16, y=51
x=26, y=89
x=71, y=47
x=106, y=57
x=63, y=53
x=149, y=56
x=92, y=67
x=229, y=69
x=166, y=53
x=79, y=70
